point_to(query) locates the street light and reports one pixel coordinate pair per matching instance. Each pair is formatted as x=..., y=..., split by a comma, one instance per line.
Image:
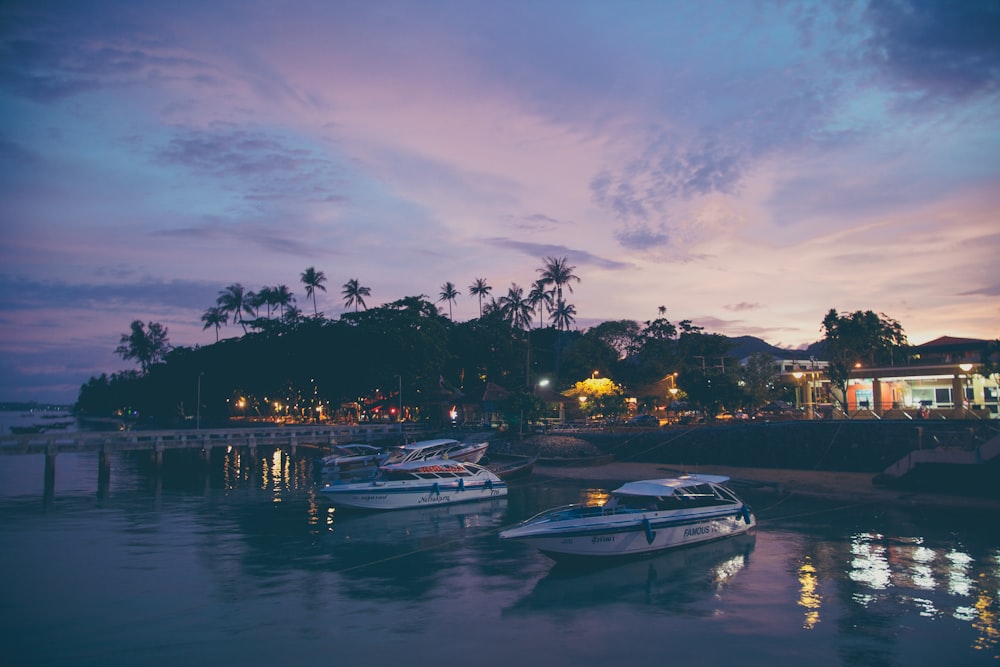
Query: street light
x=400, y=394
x=965, y=368
x=798, y=389
x=197, y=410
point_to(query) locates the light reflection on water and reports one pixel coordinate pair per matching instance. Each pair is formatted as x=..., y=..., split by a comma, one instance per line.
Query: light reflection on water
x=246, y=562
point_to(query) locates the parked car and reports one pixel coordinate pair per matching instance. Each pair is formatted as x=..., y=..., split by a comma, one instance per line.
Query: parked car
x=643, y=420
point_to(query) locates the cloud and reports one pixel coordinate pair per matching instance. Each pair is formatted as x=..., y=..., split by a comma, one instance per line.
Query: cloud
x=642, y=189
x=264, y=167
x=642, y=236
x=938, y=47
x=49, y=56
x=541, y=250
x=992, y=289
x=743, y=306
x=14, y=153
x=264, y=235
x=19, y=294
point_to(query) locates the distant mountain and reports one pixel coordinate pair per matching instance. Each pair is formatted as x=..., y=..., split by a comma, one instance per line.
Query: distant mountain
x=744, y=346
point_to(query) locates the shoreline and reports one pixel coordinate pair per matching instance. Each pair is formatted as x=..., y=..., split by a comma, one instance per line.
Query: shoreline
x=818, y=484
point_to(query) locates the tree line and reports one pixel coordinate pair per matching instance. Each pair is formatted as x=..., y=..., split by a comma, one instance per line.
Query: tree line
x=371, y=361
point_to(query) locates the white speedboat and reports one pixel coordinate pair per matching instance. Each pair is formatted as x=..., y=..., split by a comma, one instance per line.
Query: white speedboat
x=352, y=458
x=418, y=484
x=640, y=518
x=441, y=448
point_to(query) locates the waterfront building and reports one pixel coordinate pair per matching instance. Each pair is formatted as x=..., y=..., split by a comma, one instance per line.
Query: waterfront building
x=943, y=378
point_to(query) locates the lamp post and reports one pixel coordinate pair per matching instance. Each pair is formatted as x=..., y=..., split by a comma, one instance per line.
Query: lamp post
x=798, y=389
x=545, y=382
x=399, y=417
x=965, y=368
x=197, y=409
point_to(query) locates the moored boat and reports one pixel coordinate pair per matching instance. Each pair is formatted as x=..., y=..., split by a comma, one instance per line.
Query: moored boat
x=353, y=459
x=416, y=484
x=640, y=517
x=509, y=466
x=441, y=448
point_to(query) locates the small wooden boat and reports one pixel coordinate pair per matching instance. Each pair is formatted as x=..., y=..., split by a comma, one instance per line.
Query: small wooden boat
x=27, y=430
x=510, y=466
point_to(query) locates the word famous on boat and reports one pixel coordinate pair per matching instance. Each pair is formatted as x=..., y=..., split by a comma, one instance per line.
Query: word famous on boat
x=640, y=518
x=417, y=484
x=352, y=458
x=442, y=448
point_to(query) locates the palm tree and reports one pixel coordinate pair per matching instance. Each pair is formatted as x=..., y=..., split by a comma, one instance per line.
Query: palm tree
x=147, y=346
x=354, y=294
x=256, y=300
x=233, y=300
x=214, y=317
x=283, y=298
x=515, y=308
x=541, y=299
x=449, y=294
x=557, y=272
x=480, y=289
x=313, y=280
x=264, y=297
x=563, y=315
x=292, y=315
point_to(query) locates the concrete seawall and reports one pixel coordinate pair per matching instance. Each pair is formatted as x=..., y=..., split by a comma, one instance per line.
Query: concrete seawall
x=863, y=446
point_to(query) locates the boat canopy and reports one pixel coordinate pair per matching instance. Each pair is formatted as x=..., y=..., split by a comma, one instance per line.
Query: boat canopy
x=667, y=487
x=427, y=465
x=427, y=444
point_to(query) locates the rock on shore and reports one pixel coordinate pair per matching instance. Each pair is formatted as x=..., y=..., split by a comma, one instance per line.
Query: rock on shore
x=556, y=446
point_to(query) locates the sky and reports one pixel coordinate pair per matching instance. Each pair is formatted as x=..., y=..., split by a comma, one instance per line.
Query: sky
x=746, y=164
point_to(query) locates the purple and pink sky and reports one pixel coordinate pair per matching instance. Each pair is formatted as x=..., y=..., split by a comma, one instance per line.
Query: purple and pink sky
x=747, y=164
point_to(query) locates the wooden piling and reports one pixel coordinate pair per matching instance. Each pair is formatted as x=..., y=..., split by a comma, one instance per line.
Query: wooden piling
x=50, y=471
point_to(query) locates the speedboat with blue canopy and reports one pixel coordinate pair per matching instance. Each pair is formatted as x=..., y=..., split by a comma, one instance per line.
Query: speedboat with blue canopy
x=640, y=517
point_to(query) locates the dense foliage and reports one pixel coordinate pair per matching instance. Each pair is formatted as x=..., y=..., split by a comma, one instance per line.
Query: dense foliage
x=406, y=359
x=861, y=337
x=358, y=365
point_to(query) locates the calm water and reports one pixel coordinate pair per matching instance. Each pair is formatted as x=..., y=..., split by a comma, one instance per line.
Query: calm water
x=54, y=421
x=247, y=565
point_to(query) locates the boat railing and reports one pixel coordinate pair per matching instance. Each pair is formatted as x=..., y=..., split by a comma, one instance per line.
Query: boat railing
x=574, y=511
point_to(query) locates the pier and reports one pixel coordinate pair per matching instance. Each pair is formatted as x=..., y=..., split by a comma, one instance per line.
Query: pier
x=106, y=443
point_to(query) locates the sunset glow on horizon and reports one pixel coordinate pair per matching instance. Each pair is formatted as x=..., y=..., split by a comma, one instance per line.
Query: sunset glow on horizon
x=749, y=166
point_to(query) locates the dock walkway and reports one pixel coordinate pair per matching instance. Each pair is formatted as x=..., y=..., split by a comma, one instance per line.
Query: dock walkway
x=53, y=443
x=106, y=443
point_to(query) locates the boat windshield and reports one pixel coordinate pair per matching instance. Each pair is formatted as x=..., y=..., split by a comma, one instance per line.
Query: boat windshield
x=395, y=475
x=688, y=497
x=402, y=455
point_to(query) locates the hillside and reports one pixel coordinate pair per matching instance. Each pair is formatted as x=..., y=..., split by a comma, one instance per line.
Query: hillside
x=744, y=346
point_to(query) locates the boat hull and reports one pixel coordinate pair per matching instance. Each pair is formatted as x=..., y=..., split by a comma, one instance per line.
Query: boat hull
x=629, y=536
x=387, y=497
x=470, y=454
x=511, y=467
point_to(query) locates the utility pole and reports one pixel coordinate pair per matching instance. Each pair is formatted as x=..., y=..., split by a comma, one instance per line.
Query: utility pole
x=197, y=410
